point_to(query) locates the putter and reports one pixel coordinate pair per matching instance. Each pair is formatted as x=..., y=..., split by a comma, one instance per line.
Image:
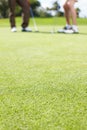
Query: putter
x=54, y=18
x=33, y=19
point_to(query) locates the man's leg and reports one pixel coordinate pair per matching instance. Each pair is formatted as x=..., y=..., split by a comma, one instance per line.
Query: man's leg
x=67, y=13
x=70, y=4
x=73, y=14
x=26, y=14
x=67, y=17
x=12, y=4
x=70, y=12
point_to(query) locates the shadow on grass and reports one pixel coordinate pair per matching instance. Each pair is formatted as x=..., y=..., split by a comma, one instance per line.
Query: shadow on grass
x=46, y=32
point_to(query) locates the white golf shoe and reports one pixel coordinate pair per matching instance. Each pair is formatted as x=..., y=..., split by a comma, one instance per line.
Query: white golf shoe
x=71, y=31
x=13, y=29
x=64, y=29
x=27, y=29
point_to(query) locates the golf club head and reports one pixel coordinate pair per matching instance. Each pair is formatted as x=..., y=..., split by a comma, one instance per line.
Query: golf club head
x=52, y=31
x=36, y=30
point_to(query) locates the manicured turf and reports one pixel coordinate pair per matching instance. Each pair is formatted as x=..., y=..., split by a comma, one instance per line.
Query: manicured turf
x=43, y=78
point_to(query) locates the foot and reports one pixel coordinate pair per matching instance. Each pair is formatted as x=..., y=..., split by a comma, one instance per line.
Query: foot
x=71, y=31
x=64, y=29
x=26, y=29
x=13, y=29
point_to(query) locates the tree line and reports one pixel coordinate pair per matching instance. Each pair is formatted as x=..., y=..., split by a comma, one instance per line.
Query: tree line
x=4, y=8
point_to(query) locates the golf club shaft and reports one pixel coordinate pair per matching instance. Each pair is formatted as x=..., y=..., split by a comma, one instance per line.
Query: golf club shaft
x=34, y=22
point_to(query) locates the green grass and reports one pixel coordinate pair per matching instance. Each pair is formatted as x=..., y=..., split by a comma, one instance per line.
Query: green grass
x=43, y=78
x=43, y=21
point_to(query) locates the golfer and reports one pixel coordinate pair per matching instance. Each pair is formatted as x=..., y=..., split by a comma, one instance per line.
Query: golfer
x=25, y=5
x=70, y=15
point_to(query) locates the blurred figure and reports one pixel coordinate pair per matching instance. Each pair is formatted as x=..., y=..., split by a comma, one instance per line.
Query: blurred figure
x=70, y=14
x=25, y=5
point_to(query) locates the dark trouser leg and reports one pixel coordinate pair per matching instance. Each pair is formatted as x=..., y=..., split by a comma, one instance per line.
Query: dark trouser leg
x=26, y=15
x=12, y=4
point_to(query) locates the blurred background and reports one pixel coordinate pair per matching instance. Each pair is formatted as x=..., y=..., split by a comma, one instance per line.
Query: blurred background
x=44, y=8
